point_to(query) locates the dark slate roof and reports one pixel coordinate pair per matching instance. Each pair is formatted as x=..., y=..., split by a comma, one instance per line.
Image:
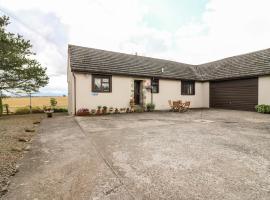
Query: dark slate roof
x=247, y=65
x=100, y=61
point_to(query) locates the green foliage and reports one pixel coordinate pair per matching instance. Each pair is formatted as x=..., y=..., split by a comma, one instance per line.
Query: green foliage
x=150, y=107
x=138, y=109
x=19, y=71
x=263, y=108
x=1, y=106
x=53, y=102
x=60, y=110
x=22, y=110
x=37, y=109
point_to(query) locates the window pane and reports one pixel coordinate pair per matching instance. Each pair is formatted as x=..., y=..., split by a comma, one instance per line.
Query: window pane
x=155, y=89
x=154, y=82
x=106, y=87
x=101, y=83
x=97, y=84
x=105, y=80
x=188, y=88
x=155, y=85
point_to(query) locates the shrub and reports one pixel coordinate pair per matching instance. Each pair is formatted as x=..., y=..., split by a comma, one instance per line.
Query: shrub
x=111, y=110
x=122, y=110
x=47, y=108
x=263, y=108
x=99, y=110
x=82, y=112
x=138, y=110
x=150, y=107
x=104, y=109
x=53, y=102
x=22, y=110
x=60, y=110
x=93, y=111
x=37, y=109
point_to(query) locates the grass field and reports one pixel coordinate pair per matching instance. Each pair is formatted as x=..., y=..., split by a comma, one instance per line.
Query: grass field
x=17, y=102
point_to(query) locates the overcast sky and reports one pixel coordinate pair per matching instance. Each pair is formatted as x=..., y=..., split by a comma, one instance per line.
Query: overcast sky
x=191, y=31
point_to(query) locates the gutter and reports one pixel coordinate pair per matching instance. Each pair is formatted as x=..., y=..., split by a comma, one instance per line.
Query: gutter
x=83, y=71
x=74, y=92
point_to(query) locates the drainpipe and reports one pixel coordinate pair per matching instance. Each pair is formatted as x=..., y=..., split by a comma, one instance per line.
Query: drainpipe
x=74, y=77
x=151, y=94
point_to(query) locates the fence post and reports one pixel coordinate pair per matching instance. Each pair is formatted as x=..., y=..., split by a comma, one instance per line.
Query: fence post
x=1, y=104
x=7, y=109
x=30, y=103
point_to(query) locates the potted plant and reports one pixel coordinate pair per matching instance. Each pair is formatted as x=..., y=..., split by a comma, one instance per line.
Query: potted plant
x=49, y=111
x=139, y=110
x=98, y=110
x=116, y=111
x=93, y=111
x=150, y=107
x=82, y=112
x=131, y=103
x=111, y=110
x=122, y=110
x=104, y=110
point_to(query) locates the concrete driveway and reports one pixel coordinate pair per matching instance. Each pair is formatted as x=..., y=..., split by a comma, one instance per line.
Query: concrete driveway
x=209, y=154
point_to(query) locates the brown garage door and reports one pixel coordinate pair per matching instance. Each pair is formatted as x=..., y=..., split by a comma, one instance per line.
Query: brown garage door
x=234, y=94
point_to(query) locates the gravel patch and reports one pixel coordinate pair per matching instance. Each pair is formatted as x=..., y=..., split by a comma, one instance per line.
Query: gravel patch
x=15, y=138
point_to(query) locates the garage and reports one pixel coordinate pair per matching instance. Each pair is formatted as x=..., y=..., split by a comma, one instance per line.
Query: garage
x=234, y=94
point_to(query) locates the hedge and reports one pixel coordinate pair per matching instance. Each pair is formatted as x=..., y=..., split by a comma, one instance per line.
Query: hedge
x=36, y=109
x=263, y=108
x=22, y=110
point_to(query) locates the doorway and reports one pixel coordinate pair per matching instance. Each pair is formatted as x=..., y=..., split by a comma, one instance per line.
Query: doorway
x=137, y=92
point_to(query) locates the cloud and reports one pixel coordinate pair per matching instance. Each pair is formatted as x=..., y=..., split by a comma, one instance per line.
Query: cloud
x=227, y=28
x=224, y=28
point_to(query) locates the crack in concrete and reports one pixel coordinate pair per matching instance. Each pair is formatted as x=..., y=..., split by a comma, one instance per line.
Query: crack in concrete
x=100, y=154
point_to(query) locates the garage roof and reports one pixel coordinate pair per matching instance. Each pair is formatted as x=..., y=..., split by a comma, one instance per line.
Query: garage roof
x=92, y=60
x=246, y=65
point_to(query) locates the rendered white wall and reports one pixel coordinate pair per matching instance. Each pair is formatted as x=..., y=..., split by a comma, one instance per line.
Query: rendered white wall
x=122, y=91
x=71, y=95
x=264, y=90
x=171, y=90
x=119, y=97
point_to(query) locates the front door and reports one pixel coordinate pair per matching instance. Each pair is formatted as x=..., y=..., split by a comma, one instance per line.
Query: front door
x=137, y=92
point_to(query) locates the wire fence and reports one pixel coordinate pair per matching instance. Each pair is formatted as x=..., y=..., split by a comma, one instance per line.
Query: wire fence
x=26, y=109
x=38, y=103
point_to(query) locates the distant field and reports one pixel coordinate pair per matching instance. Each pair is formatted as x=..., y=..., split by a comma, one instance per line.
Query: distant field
x=16, y=102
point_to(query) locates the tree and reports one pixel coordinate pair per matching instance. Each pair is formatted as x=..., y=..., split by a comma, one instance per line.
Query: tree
x=53, y=102
x=19, y=71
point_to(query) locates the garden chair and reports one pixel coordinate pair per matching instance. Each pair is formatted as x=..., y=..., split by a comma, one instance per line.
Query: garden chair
x=177, y=105
x=171, y=105
x=184, y=107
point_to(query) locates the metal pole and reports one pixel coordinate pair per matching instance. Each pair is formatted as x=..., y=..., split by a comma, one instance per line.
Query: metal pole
x=30, y=103
x=151, y=95
x=1, y=103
